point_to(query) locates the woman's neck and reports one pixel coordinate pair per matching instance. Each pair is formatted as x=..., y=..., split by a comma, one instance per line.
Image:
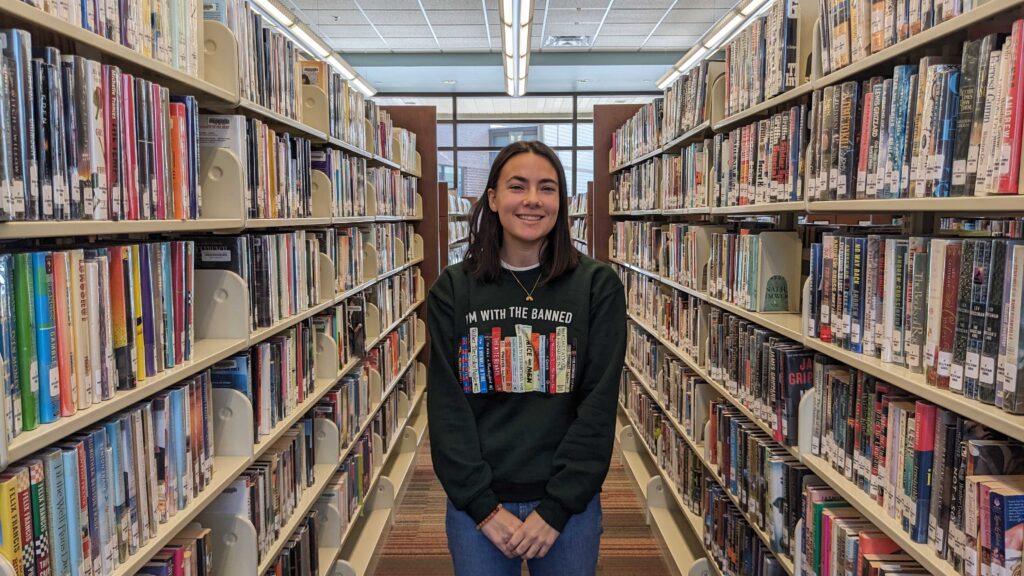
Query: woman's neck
x=520, y=255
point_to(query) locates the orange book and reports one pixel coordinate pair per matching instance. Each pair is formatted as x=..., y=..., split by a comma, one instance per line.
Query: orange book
x=118, y=319
x=507, y=379
x=62, y=323
x=535, y=342
x=178, y=146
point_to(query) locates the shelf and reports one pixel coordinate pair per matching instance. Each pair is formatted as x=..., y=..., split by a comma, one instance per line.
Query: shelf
x=459, y=241
x=992, y=417
x=388, y=329
x=259, y=223
x=767, y=208
x=660, y=212
x=322, y=474
x=323, y=385
x=350, y=148
x=1006, y=203
x=63, y=228
x=673, y=146
x=458, y=214
x=401, y=372
x=352, y=220
x=405, y=266
x=177, y=81
x=578, y=215
x=225, y=470
x=281, y=121
x=891, y=54
x=580, y=240
x=205, y=354
x=261, y=334
x=720, y=388
x=922, y=553
x=385, y=162
x=386, y=218
x=763, y=108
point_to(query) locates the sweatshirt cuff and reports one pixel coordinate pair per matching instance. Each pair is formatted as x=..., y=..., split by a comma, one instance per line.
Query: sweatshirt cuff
x=480, y=508
x=553, y=513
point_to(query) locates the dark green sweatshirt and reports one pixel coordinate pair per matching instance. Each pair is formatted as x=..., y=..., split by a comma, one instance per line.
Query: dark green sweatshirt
x=503, y=432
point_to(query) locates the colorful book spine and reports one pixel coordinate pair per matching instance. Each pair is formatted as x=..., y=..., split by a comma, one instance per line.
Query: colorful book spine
x=25, y=335
x=46, y=337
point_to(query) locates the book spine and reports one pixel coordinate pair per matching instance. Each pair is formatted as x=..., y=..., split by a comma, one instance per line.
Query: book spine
x=46, y=339
x=28, y=362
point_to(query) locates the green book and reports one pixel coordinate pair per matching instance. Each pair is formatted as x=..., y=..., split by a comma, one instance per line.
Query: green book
x=819, y=507
x=25, y=332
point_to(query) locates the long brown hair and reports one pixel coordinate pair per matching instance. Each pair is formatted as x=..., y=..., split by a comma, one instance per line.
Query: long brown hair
x=486, y=234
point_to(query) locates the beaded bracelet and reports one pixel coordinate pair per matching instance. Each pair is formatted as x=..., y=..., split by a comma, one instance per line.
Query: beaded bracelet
x=493, y=513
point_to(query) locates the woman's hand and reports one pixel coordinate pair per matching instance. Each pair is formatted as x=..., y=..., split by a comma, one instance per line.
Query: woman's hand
x=499, y=530
x=533, y=539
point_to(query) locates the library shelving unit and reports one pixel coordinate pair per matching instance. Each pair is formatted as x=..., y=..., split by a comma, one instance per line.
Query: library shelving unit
x=670, y=513
x=222, y=308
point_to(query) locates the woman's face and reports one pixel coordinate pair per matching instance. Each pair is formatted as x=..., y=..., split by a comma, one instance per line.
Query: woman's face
x=526, y=198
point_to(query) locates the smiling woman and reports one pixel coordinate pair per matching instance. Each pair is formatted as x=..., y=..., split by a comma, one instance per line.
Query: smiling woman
x=522, y=425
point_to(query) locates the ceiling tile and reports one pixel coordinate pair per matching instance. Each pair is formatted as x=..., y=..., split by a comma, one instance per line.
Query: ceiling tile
x=617, y=29
x=453, y=17
x=681, y=43
x=624, y=16
x=462, y=43
x=393, y=17
x=318, y=17
x=695, y=15
x=603, y=41
x=466, y=31
x=688, y=29
x=412, y=43
x=451, y=4
x=564, y=29
x=364, y=31
x=348, y=44
x=325, y=4
x=383, y=4
x=559, y=15
x=389, y=32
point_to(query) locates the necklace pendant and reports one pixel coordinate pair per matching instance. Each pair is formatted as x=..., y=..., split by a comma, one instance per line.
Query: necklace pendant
x=529, y=298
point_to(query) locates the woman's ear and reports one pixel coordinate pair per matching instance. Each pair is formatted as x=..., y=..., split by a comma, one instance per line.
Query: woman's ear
x=490, y=199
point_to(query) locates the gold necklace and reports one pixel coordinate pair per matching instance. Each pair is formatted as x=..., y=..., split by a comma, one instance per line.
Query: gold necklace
x=529, y=293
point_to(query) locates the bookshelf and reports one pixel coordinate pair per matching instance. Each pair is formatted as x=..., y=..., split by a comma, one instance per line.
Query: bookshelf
x=919, y=217
x=221, y=301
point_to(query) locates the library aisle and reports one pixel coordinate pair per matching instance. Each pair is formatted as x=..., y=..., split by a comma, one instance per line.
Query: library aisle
x=417, y=545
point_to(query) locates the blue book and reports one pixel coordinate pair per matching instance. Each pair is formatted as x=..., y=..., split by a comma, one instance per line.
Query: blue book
x=481, y=365
x=177, y=432
x=72, y=507
x=815, y=274
x=168, y=304
x=148, y=330
x=542, y=353
x=1006, y=506
x=95, y=515
x=46, y=337
x=118, y=497
x=8, y=346
x=947, y=134
x=131, y=502
x=857, y=294
x=53, y=468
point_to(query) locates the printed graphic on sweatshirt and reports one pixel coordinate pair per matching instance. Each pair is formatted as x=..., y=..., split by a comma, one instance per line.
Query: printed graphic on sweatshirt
x=526, y=361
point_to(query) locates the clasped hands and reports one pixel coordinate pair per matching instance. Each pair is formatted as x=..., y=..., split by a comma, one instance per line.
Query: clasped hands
x=515, y=538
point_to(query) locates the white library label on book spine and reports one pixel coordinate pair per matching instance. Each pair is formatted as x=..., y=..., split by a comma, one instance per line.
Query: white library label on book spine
x=972, y=364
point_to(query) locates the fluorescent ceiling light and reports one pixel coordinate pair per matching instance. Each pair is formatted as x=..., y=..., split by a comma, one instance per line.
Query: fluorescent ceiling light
x=358, y=84
x=522, y=86
x=692, y=59
x=341, y=66
x=312, y=44
x=274, y=12
x=666, y=82
x=516, y=16
x=731, y=25
x=524, y=41
x=510, y=86
x=752, y=7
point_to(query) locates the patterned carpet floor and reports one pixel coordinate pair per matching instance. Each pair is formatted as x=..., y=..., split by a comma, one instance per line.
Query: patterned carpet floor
x=417, y=545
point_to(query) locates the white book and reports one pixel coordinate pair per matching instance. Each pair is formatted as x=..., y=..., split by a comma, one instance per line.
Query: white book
x=562, y=359
x=889, y=302
x=936, y=277
x=1009, y=334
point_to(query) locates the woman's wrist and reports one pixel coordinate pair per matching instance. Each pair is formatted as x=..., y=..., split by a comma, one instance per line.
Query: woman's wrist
x=493, y=513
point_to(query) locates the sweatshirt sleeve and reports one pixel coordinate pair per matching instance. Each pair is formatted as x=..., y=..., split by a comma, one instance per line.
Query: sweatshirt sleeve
x=454, y=444
x=581, y=461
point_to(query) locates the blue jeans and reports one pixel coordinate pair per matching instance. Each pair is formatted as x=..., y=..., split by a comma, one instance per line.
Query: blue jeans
x=573, y=554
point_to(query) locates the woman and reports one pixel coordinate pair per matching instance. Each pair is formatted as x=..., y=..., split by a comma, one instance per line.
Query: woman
x=527, y=344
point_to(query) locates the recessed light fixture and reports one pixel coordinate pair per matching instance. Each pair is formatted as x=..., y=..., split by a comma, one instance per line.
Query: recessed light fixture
x=448, y=82
x=582, y=80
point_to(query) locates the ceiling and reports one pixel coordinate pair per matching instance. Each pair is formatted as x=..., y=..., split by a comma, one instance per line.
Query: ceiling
x=652, y=33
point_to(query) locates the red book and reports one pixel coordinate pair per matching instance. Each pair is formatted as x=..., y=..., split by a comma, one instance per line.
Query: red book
x=552, y=363
x=870, y=543
x=939, y=377
x=62, y=326
x=496, y=357
x=508, y=365
x=128, y=143
x=178, y=274
x=179, y=145
x=1008, y=179
x=112, y=146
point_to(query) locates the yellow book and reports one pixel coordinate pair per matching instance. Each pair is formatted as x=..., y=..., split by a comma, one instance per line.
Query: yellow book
x=140, y=341
x=10, y=521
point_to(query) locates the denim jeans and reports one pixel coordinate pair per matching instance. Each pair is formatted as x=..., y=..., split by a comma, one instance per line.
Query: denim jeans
x=573, y=554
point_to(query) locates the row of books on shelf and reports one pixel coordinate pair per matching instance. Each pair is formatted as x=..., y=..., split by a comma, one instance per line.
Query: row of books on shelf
x=457, y=205
x=916, y=459
x=852, y=30
x=681, y=109
x=85, y=505
x=947, y=308
x=395, y=192
x=166, y=31
x=268, y=59
x=84, y=140
x=578, y=204
x=760, y=162
x=348, y=176
x=346, y=106
x=81, y=324
x=762, y=61
x=457, y=253
x=935, y=129
x=578, y=229
x=678, y=251
x=458, y=230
